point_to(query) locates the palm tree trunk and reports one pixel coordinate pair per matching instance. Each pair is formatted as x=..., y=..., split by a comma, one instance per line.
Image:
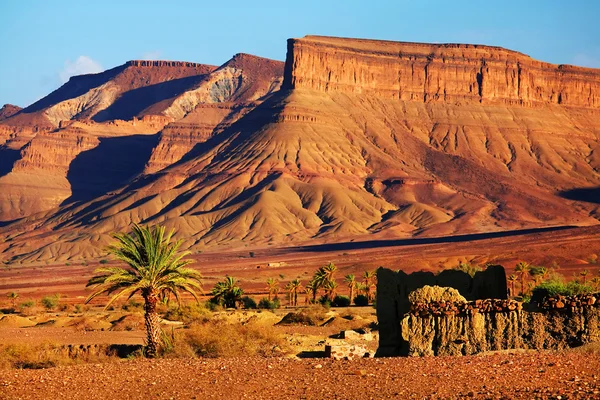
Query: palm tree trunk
x=295, y=299
x=152, y=323
x=270, y=295
x=351, y=294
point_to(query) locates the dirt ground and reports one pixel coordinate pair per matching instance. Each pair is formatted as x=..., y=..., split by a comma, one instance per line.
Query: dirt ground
x=510, y=376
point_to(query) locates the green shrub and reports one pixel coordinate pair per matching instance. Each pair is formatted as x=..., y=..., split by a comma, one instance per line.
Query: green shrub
x=361, y=300
x=50, y=302
x=27, y=304
x=554, y=288
x=341, y=301
x=324, y=301
x=265, y=304
x=248, y=302
x=104, y=261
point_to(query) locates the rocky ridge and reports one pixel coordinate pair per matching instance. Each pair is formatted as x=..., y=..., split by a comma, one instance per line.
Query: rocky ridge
x=436, y=73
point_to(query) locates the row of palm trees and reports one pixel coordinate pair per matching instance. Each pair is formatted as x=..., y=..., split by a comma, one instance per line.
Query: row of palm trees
x=229, y=293
x=324, y=279
x=538, y=274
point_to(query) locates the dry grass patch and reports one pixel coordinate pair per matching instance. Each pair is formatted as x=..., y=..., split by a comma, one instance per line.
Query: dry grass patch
x=47, y=355
x=217, y=338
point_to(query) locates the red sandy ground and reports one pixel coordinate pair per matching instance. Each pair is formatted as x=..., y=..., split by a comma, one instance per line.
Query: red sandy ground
x=511, y=376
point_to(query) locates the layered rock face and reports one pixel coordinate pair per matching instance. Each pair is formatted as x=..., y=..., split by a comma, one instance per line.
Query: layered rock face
x=436, y=72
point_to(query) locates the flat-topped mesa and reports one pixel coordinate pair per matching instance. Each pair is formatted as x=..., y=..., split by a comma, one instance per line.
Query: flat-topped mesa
x=436, y=72
x=163, y=63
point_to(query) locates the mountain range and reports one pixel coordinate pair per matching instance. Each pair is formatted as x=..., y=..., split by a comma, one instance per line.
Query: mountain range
x=349, y=139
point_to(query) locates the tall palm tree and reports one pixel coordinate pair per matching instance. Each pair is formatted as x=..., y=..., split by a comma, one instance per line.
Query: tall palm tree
x=227, y=292
x=295, y=287
x=272, y=287
x=156, y=270
x=522, y=268
x=13, y=298
x=512, y=279
x=350, y=281
x=369, y=280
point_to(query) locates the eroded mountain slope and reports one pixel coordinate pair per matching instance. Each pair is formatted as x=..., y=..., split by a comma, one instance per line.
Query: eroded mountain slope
x=366, y=139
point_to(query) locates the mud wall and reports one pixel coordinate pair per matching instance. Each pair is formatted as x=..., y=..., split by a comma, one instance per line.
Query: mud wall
x=393, y=289
x=451, y=335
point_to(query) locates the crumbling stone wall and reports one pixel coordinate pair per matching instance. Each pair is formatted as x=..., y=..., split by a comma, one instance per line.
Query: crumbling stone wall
x=471, y=333
x=393, y=289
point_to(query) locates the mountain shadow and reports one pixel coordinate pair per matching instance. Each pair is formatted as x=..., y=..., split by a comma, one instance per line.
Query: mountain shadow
x=109, y=166
x=133, y=102
x=7, y=159
x=589, y=195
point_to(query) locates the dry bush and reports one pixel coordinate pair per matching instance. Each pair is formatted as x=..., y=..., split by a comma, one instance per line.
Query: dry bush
x=222, y=339
x=189, y=313
x=46, y=355
x=313, y=316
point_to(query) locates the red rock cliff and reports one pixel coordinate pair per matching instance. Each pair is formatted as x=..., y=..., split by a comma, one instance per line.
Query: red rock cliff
x=436, y=72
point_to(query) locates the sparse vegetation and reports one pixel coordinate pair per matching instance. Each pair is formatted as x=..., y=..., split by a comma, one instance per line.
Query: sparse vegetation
x=50, y=302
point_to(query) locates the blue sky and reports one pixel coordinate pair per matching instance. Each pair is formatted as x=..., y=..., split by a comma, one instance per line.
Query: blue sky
x=44, y=42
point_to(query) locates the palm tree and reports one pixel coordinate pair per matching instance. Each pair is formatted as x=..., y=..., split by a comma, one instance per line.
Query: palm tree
x=272, y=287
x=313, y=287
x=512, y=278
x=522, y=268
x=350, y=281
x=584, y=274
x=329, y=272
x=309, y=291
x=227, y=292
x=369, y=278
x=156, y=270
x=538, y=274
x=295, y=286
x=330, y=289
x=13, y=298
